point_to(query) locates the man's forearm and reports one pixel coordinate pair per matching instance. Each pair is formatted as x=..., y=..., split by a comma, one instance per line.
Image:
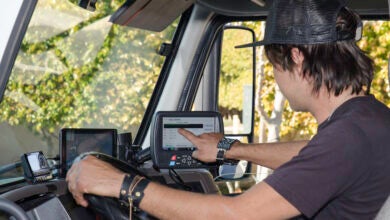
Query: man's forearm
x=167, y=203
x=271, y=155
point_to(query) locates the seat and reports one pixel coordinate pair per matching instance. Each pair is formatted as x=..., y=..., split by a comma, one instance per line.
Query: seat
x=384, y=212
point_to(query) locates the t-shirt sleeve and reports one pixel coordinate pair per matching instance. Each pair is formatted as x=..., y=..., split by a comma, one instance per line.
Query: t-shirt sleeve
x=326, y=167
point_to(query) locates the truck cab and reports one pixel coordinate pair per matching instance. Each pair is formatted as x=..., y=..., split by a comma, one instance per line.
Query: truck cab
x=88, y=66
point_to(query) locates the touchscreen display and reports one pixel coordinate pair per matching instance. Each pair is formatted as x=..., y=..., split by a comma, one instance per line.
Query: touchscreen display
x=37, y=162
x=172, y=140
x=77, y=141
x=35, y=167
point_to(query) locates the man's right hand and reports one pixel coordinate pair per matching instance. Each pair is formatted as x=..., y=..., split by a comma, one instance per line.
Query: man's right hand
x=93, y=176
x=206, y=144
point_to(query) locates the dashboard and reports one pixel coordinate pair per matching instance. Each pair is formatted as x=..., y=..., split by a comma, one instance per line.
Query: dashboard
x=43, y=196
x=52, y=200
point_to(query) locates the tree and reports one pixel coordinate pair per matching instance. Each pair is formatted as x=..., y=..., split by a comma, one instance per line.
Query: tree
x=81, y=72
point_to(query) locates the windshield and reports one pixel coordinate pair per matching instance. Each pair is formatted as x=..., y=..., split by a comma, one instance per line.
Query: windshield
x=75, y=69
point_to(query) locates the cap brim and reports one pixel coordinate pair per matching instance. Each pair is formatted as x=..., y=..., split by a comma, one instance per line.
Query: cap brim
x=254, y=44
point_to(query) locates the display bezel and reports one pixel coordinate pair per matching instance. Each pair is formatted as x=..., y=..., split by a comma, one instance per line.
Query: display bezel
x=161, y=157
x=43, y=173
x=64, y=157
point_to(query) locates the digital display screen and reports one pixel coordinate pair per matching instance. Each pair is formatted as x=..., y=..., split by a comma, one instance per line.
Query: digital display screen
x=35, y=167
x=77, y=141
x=172, y=140
x=37, y=162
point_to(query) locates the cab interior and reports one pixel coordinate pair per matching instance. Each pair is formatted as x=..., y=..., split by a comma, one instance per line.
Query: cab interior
x=102, y=64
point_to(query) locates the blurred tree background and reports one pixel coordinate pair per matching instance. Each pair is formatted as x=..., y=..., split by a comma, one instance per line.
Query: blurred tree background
x=79, y=70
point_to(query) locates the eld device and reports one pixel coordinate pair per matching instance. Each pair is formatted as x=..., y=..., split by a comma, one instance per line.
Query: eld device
x=169, y=149
x=35, y=167
x=74, y=141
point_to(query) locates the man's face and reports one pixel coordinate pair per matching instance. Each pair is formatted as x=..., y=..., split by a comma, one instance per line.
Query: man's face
x=293, y=86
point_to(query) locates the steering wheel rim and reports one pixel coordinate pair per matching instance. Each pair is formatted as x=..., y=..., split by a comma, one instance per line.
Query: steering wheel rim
x=112, y=208
x=12, y=209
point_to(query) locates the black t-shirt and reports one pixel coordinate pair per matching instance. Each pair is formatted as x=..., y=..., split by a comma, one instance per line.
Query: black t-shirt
x=344, y=171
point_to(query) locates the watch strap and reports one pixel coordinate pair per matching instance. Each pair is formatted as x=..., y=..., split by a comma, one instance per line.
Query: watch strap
x=221, y=156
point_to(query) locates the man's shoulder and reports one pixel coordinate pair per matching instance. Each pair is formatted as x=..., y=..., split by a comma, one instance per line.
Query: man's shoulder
x=364, y=107
x=340, y=132
x=361, y=120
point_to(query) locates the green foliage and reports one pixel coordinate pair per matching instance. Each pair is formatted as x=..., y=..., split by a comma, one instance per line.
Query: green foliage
x=376, y=42
x=236, y=69
x=63, y=80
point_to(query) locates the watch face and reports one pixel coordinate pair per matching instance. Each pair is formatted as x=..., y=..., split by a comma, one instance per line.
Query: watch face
x=230, y=141
x=225, y=143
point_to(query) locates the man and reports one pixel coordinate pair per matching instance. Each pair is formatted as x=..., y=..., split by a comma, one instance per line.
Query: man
x=342, y=173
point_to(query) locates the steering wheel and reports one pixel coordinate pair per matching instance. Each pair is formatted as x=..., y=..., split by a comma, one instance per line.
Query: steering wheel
x=12, y=209
x=112, y=208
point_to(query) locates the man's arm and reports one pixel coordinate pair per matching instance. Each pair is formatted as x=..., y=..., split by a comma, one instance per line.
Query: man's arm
x=260, y=202
x=94, y=176
x=270, y=155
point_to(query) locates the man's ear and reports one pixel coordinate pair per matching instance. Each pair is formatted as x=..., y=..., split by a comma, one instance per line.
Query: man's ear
x=297, y=56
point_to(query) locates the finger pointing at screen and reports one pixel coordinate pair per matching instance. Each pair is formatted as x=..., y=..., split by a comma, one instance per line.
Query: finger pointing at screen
x=206, y=144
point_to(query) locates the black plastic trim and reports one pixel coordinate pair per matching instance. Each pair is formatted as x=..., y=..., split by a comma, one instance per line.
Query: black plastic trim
x=216, y=53
x=194, y=77
x=162, y=79
x=15, y=40
x=199, y=62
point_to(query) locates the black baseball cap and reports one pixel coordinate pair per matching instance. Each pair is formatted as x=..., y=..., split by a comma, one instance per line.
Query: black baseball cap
x=304, y=22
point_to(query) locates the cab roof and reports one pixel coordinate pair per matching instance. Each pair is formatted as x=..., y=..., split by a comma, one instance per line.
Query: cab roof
x=156, y=15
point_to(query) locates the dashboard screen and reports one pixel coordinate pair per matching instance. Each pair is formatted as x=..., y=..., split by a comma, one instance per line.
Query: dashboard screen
x=76, y=141
x=37, y=162
x=171, y=150
x=35, y=167
x=172, y=140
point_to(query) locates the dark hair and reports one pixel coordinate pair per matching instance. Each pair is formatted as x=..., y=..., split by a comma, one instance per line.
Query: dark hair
x=338, y=66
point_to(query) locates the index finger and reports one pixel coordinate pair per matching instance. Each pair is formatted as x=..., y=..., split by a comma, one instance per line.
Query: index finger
x=188, y=134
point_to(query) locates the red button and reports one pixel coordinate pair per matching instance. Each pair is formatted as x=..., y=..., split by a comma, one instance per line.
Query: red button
x=173, y=157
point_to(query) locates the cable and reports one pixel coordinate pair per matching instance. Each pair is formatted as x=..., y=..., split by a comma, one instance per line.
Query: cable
x=226, y=174
x=178, y=180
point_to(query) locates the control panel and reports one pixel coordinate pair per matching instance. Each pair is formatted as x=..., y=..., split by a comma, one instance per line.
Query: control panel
x=171, y=150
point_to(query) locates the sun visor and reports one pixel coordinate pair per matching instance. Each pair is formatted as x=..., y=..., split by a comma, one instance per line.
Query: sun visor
x=388, y=6
x=368, y=9
x=153, y=15
x=238, y=8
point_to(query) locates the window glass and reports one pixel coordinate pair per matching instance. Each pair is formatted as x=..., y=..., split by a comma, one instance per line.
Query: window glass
x=236, y=81
x=75, y=69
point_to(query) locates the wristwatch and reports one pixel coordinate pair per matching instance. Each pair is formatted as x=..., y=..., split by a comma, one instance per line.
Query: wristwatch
x=224, y=145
